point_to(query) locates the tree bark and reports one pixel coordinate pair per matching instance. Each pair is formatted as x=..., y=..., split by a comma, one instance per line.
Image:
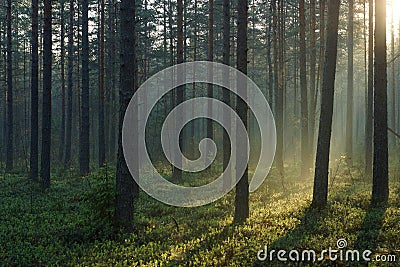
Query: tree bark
x=320, y=193
x=84, y=142
x=46, y=110
x=242, y=188
x=225, y=93
x=370, y=97
x=305, y=156
x=70, y=70
x=350, y=84
x=177, y=173
x=62, y=62
x=34, y=149
x=210, y=87
x=102, y=141
x=126, y=187
x=10, y=116
x=380, y=189
x=313, y=89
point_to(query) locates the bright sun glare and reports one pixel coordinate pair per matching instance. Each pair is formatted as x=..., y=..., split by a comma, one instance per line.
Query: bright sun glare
x=393, y=10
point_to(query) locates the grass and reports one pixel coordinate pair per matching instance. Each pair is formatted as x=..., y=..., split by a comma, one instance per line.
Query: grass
x=68, y=225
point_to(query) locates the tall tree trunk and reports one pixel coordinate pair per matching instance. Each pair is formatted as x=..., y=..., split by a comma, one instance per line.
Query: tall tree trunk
x=275, y=26
x=393, y=83
x=279, y=93
x=177, y=173
x=84, y=143
x=126, y=186
x=380, y=190
x=313, y=89
x=225, y=93
x=70, y=66
x=102, y=142
x=210, y=57
x=34, y=150
x=10, y=117
x=305, y=156
x=320, y=193
x=370, y=97
x=242, y=188
x=62, y=62
x=269, y=58
x=112, y=54
x=350, y=84
x=46, y=110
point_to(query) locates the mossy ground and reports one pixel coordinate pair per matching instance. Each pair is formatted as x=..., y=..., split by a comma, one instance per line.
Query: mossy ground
x=61, y=226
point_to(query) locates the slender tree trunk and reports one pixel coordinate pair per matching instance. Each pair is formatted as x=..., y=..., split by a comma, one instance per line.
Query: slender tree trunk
x=380, y=190
x=126, y=187
x=84, y=143
x=242, y=188
x=350, y=84
x=10, y=119
x=46, y=110
x=34, y=92
x=278, y=104
x=322, y=7
x=279, y=93
x=313, y=89
x=177, y=173
x=210, y=87
x=112, y=53
x=225, y=93
x=370, y=97
x=320, y=193
x=62, y=62
x=102, y=142
x=70, y=66
x=393, y=83
x=269, y=58
x=305, y=156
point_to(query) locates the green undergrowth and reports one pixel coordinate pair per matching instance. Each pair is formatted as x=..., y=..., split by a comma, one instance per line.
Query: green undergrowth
x=70, y=224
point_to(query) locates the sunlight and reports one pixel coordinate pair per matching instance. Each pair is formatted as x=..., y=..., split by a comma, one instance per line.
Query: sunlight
x=393, y=8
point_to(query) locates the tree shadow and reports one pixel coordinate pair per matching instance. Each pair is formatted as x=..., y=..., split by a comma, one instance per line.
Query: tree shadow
x=310, y=224
x=368, y=236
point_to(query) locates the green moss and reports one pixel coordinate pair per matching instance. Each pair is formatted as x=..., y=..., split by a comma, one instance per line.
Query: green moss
x=70, y=224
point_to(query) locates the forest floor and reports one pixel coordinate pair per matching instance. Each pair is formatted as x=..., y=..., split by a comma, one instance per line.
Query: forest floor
x=69, y=224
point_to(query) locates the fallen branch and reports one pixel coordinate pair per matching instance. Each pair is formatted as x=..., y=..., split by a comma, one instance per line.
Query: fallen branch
x=393, y=132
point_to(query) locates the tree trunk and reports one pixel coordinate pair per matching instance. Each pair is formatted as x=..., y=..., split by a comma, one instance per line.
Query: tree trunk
x=393, y=84
x=112, y=54
x=242, y=188
x=320, y=193
x=34, y=153
x=177, y=173
x=84, y=151
x=10, y=117
x=313, y=89
x=350, y=84
x=102, y=142
x=380, y=190
x=62, y=62
x=46, y=110
x=210, y=87
x=225, y=93
x=305, y=156
x=126, y=186
x=70, y=66
x=370, y=97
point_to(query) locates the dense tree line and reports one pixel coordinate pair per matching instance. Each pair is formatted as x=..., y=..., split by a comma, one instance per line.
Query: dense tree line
x=66, y=89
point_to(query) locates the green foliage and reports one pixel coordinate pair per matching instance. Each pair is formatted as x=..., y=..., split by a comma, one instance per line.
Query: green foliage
x=69, y=224
x=100, y=198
